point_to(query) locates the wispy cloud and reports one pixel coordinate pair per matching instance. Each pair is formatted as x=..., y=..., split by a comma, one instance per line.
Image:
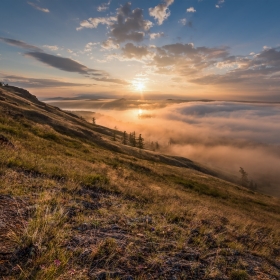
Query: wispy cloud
x=38, y=8
x=69, y=65
x=110, y=44
x=62, y=63
x=30, y=82
x=184, y=21
x=89, y=46
x=191, y=10
x=156, y=35
x=103, y=7
x=161, y=12
x=94, y=22
x=20, y=44
x=220, y=3
x=52, y=48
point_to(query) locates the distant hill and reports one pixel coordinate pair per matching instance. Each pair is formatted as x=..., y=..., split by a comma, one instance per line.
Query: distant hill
x=75, y=204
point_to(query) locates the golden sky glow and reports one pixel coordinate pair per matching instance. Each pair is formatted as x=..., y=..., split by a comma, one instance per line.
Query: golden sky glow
x=161, y=49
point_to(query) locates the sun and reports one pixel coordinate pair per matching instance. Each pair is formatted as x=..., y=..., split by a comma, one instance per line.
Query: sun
x=139, y=86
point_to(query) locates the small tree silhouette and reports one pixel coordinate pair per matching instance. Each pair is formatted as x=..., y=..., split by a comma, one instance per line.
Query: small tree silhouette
x=244, y=177
x=124, y=138
x=133, y=139
x=140, y=142
x=157, y=145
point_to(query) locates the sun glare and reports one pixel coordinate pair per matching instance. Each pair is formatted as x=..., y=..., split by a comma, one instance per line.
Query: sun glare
x=139, y=86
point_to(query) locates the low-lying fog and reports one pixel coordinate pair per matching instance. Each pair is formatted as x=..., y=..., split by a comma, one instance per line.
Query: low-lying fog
x=221, y=135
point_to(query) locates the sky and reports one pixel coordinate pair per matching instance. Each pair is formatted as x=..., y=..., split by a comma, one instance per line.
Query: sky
x=188, y=49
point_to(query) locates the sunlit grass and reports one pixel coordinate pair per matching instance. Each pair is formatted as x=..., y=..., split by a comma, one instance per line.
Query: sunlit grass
x=78, y=187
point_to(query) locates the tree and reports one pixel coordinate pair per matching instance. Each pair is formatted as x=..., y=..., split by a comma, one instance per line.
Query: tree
x=132, y=139
x=124, y=138
x=157, y=145
x=1, y=84
x=244, y=177
x=140, y=142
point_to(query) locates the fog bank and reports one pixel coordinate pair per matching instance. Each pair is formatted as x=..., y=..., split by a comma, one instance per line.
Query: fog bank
x=221, y=135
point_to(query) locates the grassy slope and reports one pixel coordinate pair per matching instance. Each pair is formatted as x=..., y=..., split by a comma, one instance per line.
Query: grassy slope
x=74, y=204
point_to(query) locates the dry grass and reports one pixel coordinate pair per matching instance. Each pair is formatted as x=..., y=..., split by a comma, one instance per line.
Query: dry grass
x=97, y=213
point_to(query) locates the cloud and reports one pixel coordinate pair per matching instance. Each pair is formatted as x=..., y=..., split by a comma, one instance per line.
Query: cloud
x=110, y=44
x=111, y=80
x=38, y=8
x=94, y=22
x=127, y=25
x=130, y=25
x=20, y=44
x=27, y=82
x=184, y=21
x=103, y=7
x=132, y=51
x=260, y=72
x=219, y=4
x=161, y=12
x=189, y=55
x=52, y=48
x=62, y=63
x=156, y=35
x=89, y=46
x=69, y=65
x=191, y=10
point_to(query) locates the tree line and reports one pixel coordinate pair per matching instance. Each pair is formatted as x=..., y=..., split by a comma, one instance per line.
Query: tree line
x=131, y=139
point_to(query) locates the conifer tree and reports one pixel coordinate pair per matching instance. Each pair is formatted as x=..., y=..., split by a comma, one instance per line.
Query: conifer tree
x=157, y=145
x=244, y=177
x=140, y=142
x=133, y=138
x=124, y=138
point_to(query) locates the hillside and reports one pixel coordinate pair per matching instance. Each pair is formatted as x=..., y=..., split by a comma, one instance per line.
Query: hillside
x=74, y=204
